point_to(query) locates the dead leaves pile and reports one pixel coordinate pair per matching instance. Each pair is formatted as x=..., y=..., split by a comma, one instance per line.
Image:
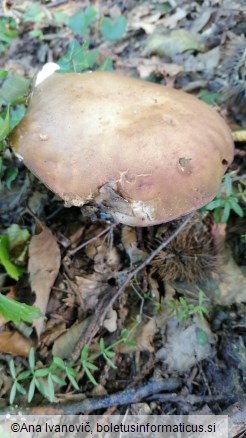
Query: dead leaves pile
x=187, y=45
x=79, y=281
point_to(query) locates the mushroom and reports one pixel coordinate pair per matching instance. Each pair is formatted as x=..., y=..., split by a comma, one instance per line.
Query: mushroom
x=141, y=152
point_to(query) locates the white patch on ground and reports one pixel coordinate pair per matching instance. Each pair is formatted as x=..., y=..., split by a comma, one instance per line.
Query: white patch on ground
x=182, y=350
x=47, y=70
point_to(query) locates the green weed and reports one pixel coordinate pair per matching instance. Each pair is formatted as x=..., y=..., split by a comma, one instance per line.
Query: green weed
x=43, y=380
x=183, y=311
x=226, y=201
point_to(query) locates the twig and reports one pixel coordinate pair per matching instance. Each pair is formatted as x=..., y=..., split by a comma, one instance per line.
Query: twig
x=107, y=302
x=57, y=3
x=126, y=397
x=142, y=265
x=73, y=251
x=193, y=399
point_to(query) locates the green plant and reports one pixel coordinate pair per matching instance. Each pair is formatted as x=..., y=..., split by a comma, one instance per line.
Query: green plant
x=80, y=22
x=113, y=30
x=34, y=13
x=210, y=97
x=13, y=256
x=13, y=250
x=13, y=94
x=14, y=311
x=77, y=58
x=105, y=351
x=8, y=31
x=226, y=200
x=44, y=379
x=87, y=364
x=184, y=311
x=80, y=57
x=71, y=373
x=12, y=98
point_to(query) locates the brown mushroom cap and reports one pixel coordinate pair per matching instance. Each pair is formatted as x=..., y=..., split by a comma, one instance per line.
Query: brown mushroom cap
x=142, y=152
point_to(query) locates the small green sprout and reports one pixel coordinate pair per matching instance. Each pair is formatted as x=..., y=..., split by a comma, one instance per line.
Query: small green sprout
x=44, y=379
x=184, y=311
x=113, y=30
x=225, y=201
x=13, y=250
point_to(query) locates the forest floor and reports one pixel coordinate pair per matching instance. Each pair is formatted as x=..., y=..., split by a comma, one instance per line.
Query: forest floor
x=179, y=320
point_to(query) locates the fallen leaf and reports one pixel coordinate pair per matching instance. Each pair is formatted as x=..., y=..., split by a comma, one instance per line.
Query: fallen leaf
x=155, y=66
x=178, y=41
x=172, y=20
x=14, y=343
x=202, y=20
x=90, y=286
x=43, y=267
x=208, y=61
x=142, y=336
x=182, y=349
x=143, y=16
x=66, y=343
x=231, y=286
x=105, y=256
x=148, y=24
x=129, y=241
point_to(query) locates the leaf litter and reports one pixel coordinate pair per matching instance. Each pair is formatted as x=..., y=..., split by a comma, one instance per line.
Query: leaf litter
x=194, y=52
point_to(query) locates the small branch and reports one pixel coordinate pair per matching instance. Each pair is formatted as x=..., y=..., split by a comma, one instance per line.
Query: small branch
x=126, y=397
x=73, y=251
x=106, y=303
x=146, y=262
x=192, y=399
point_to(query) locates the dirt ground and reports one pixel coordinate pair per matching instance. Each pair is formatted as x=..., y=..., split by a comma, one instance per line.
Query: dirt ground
x=166, y=336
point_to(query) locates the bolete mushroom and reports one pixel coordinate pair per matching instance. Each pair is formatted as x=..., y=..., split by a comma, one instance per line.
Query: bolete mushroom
x=142, y=152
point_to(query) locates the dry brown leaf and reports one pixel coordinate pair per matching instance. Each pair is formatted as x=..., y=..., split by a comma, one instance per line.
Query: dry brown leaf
x=143, y=17
x=173, y=43
x=14, y=343
x=232, y=286
x=66, y=343
x=155, y=66
x=90, y=286
x=207, y=61
x=218, y=232
x=143, y=336
x=171, y=21
x=129, y=241
x=43, y=267
x=148, y=24
x=52, y=333
x=76, y=236
x=106, y=260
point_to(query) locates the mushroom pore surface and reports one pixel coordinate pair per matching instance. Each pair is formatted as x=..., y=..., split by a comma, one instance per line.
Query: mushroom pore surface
x=142, y=152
